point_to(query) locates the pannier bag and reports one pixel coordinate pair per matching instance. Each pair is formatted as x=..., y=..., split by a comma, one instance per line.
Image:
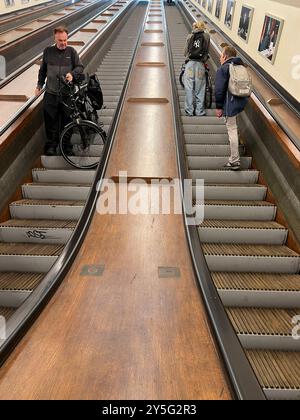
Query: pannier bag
x=94, y=92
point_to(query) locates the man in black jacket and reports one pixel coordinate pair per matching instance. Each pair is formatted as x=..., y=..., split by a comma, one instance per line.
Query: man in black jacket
x=58, y=60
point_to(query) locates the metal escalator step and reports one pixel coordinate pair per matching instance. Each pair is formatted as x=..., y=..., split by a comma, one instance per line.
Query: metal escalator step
x=261, y=321
x=107, y=112
x=19, y=281
x=249, y=250
x=258, y=289
x=25, y=257
x=30, y=249
x=55, y=224
x=206, y=139
x=57, y=162
x=235, y=192
x=232, y=203
x=109, y=105
x=16, y=287
x=6, y=312
x=251, y=258
x=47, y=209
x=278, y=372
x=242, y=232
x=204, y=129
x=49, y=202
x=56, y=191
x=206, y=120
x=215, y=176
x=37, y=231
x=239, y=210
x=257, y=281
x=111, y=99
x=210, y=150
x=239, y=224
x=214, y=162
x=63, y=176
x=265, y=328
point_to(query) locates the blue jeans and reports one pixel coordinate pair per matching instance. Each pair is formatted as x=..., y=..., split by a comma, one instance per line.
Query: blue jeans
x=195, y=85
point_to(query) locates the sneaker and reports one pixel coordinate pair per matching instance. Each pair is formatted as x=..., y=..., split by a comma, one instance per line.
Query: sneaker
x=188, y=115
x=233, y=166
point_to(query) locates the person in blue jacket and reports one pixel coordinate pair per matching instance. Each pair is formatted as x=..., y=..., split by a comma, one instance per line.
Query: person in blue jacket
x=229, y=106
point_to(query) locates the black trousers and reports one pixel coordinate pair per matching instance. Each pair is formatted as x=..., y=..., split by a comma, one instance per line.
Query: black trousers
x=56, y=117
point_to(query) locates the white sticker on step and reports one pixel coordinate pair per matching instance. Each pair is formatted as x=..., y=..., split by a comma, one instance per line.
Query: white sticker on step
x=2, y=67
x=2, y=328
x=296, y=329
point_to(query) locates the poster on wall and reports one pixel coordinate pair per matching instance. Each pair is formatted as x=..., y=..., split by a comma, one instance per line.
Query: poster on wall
x=9, y=3
x=229, y=13
x=219, y=6
x=210, y=6
x=270, y=37
x=204, y=3
x=245, y=22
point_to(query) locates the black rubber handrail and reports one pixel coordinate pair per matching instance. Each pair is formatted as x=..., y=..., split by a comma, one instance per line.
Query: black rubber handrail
x=244, y=383
x=264, y=77
x=24, y=316
x=30, y=63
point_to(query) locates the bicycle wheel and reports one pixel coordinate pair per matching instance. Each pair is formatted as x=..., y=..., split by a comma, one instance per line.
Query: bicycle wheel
x=81, y=144
x=208, y=91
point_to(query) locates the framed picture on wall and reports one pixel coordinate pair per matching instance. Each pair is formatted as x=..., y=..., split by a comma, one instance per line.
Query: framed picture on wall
x=204, y=3
x=210, y=6
x=270, y=37
x=9, y=3
x=218, y=11
x=229, y=13
x=245, y=22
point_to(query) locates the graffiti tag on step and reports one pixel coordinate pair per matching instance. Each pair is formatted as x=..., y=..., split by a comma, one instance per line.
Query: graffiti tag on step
x=36, y=234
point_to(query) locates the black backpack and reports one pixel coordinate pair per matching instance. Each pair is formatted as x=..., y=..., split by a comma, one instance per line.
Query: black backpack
x=94, y=92
x=196, y=47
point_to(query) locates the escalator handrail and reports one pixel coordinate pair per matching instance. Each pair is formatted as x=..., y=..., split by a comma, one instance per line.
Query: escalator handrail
x=244, y=383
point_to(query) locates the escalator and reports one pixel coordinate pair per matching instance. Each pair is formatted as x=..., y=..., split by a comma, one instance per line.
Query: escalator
x=253, y=269
x=42, y=222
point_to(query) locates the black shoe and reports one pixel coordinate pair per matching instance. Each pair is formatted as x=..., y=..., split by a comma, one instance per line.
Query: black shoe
x=50, y=151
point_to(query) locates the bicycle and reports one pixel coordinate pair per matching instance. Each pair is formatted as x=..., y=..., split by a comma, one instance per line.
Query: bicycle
x=82, y=140
x=209, y=85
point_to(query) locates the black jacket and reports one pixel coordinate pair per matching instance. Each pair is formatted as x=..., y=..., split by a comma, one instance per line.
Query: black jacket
x=58, y=63
x=232, y=105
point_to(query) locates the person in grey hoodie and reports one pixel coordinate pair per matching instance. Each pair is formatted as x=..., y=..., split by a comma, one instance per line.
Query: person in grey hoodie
x=196, y=54
x=58, y=60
